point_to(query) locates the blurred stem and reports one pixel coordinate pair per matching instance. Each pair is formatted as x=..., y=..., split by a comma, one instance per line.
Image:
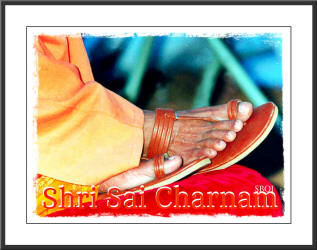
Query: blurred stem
x=133, y=85
x=241, y=77
x=207, y=85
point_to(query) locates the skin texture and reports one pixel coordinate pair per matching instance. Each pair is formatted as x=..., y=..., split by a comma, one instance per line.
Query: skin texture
x=191, y=140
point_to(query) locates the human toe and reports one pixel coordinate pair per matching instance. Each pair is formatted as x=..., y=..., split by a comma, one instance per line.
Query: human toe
x=245, y=110
x=215, y=144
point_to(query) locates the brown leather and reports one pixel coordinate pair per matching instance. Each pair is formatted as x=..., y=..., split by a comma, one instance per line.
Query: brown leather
x=162, y=132
x=206, y=119
x=253, y=129
x=159, y=166
x=232, y=109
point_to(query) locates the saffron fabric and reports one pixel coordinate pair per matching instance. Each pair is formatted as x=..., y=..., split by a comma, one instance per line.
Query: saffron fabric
x=85, y=132
x=45, y=199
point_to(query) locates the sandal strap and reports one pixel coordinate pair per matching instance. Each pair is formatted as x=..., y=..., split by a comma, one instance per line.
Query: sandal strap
x=162, y=132
x=159, y=166
x=206, y=119
x=232, y=109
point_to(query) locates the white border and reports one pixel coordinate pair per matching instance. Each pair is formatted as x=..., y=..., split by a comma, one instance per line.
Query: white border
x=299, y=17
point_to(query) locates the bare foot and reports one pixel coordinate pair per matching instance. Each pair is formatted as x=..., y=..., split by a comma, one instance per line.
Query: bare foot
x=190, y=140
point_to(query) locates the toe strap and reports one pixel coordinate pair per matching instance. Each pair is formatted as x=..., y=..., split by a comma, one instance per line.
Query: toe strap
x=159, y=166
x=232, y=109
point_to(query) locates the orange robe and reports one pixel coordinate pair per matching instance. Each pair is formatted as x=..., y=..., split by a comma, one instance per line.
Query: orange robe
x=85, y=132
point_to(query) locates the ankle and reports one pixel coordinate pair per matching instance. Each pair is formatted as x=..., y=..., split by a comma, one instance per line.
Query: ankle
x=149, y=119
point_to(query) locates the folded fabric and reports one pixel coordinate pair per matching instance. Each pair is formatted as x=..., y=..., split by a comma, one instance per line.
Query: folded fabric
x=85, y=133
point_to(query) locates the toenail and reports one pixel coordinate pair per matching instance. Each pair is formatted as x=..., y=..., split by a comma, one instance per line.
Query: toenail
x=244, y=108
x=238, y=124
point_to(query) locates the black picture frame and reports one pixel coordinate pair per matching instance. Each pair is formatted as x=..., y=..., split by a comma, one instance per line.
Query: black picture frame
x=185, y=2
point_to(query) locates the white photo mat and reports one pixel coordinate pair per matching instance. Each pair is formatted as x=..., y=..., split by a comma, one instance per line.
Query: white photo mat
x=297, y=21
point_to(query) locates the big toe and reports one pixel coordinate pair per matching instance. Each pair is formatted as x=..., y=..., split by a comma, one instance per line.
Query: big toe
x=245, y=110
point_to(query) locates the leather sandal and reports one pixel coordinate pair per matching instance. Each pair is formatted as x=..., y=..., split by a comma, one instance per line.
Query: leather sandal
x=255, y=130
